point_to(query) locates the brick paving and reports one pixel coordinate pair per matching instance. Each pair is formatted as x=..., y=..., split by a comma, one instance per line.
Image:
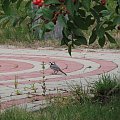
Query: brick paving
x=25, y=67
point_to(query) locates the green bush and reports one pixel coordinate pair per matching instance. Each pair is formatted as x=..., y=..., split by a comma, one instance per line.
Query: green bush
x=80, y=93
x=105, y=87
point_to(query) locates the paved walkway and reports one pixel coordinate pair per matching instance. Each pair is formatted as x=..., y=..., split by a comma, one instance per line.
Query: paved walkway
x=21, y=73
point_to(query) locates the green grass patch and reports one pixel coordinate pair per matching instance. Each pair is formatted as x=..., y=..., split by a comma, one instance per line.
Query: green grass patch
x=71, y=111
x=104, y=104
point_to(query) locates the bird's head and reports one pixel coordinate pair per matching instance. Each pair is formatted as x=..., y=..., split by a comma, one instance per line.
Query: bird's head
x=52, y=63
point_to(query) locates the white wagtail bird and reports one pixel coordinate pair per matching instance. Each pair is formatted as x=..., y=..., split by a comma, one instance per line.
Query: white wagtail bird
x=55, y=68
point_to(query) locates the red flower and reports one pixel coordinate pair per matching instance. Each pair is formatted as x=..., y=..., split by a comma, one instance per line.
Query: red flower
x=38, y=2
x=103, y=2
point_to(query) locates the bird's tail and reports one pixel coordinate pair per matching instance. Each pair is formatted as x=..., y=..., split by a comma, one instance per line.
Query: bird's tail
x=63, y=72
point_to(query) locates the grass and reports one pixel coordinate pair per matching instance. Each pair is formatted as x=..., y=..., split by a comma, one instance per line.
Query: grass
x=71, y=111
x=16, y=114
x=107, y=85
x=21, y=38
x=70, y=108
x=86, y=111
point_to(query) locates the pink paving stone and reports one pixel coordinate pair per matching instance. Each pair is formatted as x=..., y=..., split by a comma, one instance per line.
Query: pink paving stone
x=15, y=102
x=13, y=66
x=105, y=66
x=72, y=66
x=100, y=70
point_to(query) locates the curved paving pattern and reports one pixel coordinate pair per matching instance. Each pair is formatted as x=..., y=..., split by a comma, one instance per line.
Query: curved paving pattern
x=26, y=67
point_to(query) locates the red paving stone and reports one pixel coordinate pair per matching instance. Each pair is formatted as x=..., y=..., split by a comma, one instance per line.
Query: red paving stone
x=15, y=102
x=73, y=66
x=13, y=66
x=9, y=65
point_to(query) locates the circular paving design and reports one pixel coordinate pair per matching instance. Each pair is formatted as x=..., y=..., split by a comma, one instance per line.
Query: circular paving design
x=26, y=68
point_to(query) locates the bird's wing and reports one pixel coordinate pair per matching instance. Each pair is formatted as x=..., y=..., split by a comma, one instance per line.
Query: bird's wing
x=55, y=67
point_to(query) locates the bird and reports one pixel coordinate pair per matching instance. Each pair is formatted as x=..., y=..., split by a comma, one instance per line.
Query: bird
x=55, y=68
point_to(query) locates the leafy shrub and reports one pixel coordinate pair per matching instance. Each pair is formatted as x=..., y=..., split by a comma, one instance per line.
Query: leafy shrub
x=105, y=87
x=80, y=92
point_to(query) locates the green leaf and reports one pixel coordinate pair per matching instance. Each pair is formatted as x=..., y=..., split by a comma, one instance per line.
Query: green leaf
x=77, y=5
x=5, y=23
x=80, y=22
x=105, y=12
x=71, y=25
x=100, y=31
x=5, y=6
x=47, y=2
x=62, y=20
x=47, y=13
x=66, y=32
x=96, y=11
x=77, y=42
x=28, y=4
x=69, y=48
x=109, y=26
x=110, y=38
x=93, y=37
x=101, y=41
x=22, y=19
x=80, y=41
x=15, y=21
x=49, y=26
x=39, y=11
x=89, y=20
x=86, y=4
x=65, y=41
x=82, y=12
x=18, y=4
x=3, y=19
x=70, y=6
x=116, y=20
x=77, y=32
x=35, y=25
x=13, y=1
x=41, y=33
x=99, y=8
x=95, y=14
x=117, y=9
x=118, y=2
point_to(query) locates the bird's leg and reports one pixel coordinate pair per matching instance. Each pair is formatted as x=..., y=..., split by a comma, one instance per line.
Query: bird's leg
x=55, y=72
